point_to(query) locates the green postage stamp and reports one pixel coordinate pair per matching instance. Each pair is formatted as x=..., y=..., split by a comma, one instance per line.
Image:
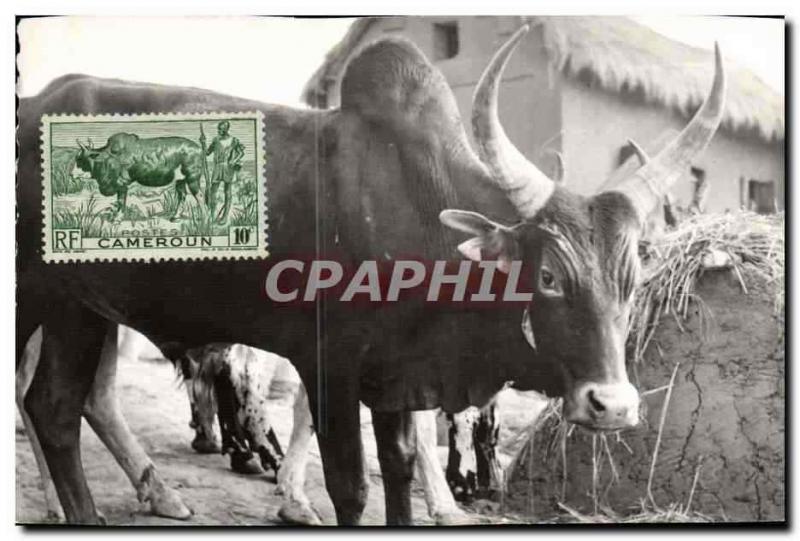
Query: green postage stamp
x=154, y=186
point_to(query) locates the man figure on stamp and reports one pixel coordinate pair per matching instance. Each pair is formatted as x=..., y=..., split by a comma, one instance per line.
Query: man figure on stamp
x=228, y=152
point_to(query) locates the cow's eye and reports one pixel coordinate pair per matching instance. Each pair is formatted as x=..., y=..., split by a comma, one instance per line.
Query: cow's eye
x=548, y=283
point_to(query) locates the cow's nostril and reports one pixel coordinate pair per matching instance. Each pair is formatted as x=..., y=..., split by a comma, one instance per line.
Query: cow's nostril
x=595, y=403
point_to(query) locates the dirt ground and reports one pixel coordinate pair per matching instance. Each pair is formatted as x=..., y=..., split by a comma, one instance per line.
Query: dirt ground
x=157, y=410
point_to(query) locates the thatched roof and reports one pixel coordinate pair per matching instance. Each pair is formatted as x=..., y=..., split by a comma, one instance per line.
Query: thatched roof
x=622, y=56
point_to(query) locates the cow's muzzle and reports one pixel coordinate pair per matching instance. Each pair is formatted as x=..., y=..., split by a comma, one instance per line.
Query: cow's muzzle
x=603, y=406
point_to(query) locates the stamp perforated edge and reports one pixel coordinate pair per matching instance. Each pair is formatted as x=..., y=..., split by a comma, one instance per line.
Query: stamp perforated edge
x=178, y=254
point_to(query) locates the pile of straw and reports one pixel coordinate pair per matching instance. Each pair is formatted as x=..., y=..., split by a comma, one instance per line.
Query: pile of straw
x=746, y=242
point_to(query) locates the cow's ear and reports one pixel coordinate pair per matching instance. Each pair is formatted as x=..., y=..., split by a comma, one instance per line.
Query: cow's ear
x=491, y=241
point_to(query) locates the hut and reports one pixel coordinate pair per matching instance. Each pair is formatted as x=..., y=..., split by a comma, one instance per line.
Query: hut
x=584, y=86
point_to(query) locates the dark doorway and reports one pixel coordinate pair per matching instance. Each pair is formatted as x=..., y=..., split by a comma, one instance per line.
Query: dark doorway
x=445, y=40
x=761, y=196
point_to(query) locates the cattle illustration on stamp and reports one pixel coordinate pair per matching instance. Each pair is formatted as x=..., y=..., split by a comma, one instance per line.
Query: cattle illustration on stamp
x=149, y=186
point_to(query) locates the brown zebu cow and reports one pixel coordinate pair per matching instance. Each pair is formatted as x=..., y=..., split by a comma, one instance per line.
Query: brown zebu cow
x=127, y=159
x=393, y=157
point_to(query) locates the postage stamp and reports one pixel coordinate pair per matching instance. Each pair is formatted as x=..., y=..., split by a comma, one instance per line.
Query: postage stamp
x=155, y=186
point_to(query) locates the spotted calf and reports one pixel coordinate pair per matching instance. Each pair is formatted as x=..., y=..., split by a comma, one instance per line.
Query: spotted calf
x=484, y=443
x=236, y=380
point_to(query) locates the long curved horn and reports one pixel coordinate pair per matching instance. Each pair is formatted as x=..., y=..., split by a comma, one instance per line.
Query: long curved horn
x=80, y=145
x=525, y=185
x=650, y=183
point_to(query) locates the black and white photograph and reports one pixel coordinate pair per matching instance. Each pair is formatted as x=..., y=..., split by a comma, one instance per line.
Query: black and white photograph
x=491, y=271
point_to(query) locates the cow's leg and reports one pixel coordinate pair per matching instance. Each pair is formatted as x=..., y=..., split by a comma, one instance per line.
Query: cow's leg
x=103, y=412
x=396, y=438
x=203, y=413
x=123, y=198
x=442, y=506
x=269, y=451
x=193, y=183
x=121, y=204
x=180, y=193
x=24, y=376
x=340, y=442
x=461, y=462
x=485, y=444
x=202, y=407
x=296, y=508
x=251, y=378
x=118, y=208
x=234, y=436
x=71, y=344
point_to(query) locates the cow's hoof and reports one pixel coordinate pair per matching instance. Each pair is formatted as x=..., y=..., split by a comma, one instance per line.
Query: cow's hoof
x=299, y=513
x=205, y=446
x=166, y=502
x=245, y=464
x=54, y=516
